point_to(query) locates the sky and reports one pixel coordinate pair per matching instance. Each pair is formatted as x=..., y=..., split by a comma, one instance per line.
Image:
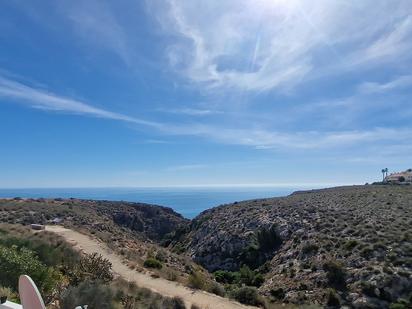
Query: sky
x=194, y=93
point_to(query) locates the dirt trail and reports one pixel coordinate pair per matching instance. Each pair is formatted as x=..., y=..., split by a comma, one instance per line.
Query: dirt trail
x=164, y=287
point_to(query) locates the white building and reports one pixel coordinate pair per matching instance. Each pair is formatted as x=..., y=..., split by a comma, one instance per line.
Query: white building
x=405, y=176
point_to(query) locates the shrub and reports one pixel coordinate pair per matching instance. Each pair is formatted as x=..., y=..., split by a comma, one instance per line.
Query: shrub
x=247, y=295
x=309, y=248
x=227, y=277
x=244, y=276
x=49, y=248
x=278, y=293
x=161, y=256
x=196, y=280
x=15, y=262
x=258, y=280
x=217, y=289
x=152, y=263
x=174, y=303
x=263, y=243
x=178, y=248
x=171, y=275
x=250, y=277
x=91, y=267
x=7, y=292
x=351, y=244
x=335, y=274
x=333, y=299
x=93, y=294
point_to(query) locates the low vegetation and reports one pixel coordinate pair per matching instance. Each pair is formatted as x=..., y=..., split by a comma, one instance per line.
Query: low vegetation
x=152, y=263
x=65, y=278
x=346, y=245
x=247, y=295
x=245, y=276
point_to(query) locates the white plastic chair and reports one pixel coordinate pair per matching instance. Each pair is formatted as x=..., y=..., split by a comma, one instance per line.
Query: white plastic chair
x=29, y=294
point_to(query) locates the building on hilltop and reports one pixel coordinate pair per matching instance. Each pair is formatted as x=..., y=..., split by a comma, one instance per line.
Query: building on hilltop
x=401, y=177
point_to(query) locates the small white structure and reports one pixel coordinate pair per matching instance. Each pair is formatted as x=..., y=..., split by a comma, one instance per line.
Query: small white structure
x=37, y=226
x=10, y=305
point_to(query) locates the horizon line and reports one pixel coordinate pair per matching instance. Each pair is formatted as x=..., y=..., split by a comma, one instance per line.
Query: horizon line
x=244, y=185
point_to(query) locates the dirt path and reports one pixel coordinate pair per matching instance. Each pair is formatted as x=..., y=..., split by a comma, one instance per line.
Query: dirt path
x=164, y=287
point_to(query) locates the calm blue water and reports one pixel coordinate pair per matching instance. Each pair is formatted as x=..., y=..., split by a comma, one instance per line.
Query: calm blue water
x=187, y=201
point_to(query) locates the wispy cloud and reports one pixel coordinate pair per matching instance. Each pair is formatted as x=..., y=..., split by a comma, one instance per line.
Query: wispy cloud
x=42, y=99
x=392, y=44
x=379, y=88
x=191, y=111
x=261, y=45
x=314, y=140
x=259, y=138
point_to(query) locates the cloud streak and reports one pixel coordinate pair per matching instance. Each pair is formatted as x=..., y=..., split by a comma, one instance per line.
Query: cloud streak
x=251, y=137
x=379, y=88
x=42, y=99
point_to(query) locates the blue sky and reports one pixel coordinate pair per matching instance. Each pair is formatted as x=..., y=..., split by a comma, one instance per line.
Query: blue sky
x=228, y=92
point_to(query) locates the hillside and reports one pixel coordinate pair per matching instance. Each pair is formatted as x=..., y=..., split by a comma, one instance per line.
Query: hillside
x=338, y=246
x=351, y=245
x=133, y=230
x=145, y=221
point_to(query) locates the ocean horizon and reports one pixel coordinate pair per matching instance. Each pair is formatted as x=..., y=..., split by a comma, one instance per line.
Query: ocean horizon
x=188, y=201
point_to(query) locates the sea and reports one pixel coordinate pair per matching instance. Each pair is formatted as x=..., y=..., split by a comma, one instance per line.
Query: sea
x=188, y=201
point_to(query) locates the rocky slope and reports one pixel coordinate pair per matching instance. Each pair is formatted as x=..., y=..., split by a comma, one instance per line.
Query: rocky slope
x=131, y=229
x=347, y=245
x=146, y=221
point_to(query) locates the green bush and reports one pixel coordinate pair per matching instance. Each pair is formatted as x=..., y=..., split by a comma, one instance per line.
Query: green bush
x=247, y=295
x=91, y=267
x=93, y=294
x=49, y=248
x=152, y=263
x=226, y=277
x=245, y=276
x=196, y=281
x=15, y=262
x=217, y=289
